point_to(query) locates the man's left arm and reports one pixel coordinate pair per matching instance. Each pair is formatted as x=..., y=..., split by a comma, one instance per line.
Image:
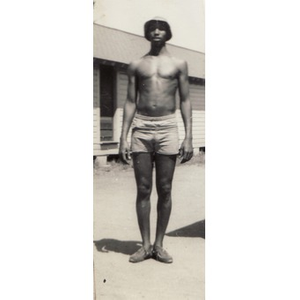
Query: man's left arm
x=186, y=149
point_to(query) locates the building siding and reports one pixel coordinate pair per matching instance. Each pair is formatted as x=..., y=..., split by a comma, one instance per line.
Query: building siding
x=96, y=110
x=197, y=96
x=122, y=83
x=198, y=128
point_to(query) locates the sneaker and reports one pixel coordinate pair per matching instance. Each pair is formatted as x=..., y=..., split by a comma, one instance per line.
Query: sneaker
x=162, y=255
x=140, y=255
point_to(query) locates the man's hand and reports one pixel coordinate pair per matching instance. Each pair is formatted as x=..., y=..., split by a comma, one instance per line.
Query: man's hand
x=186, y=150
x=124, y=152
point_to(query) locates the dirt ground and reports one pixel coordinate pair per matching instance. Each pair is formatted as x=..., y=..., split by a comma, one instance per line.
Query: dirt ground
x=116, y=236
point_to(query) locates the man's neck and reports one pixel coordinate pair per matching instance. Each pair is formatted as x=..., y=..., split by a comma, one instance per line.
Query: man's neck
x=158, y=49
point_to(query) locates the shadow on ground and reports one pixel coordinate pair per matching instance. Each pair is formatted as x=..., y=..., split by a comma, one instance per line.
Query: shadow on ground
x=125, y=247
x=194, y=230
x=129, y=247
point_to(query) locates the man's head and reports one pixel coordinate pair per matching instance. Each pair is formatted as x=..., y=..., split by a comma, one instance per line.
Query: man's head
x=160, y=23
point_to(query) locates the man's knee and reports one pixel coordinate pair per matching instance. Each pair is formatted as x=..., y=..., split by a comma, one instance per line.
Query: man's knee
x=164, y=190
x=144, y=190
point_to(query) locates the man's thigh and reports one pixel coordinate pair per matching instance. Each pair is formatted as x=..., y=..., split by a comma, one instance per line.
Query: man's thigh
x=143, y=166
x=165, y=167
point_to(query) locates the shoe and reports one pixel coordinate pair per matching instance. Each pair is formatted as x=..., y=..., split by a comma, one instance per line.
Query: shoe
x=161, y=255
x=140, y=255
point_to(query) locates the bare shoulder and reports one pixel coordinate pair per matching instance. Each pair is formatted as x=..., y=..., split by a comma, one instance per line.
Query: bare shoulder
x=132, y=67
x=181, y=64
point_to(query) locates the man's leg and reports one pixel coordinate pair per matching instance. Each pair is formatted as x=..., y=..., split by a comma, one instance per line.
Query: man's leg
x=165, y=166
x=143, y=166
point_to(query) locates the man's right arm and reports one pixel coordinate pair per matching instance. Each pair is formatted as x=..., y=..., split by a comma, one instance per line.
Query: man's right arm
x=129, y=112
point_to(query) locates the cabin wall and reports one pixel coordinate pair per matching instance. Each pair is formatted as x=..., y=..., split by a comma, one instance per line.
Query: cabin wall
x=96, y=111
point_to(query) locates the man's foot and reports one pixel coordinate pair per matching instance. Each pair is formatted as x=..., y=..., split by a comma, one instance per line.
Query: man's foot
x=161, y=255
x=140, y=255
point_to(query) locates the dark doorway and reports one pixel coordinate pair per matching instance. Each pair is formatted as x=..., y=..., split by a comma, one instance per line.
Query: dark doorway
x=106, y=102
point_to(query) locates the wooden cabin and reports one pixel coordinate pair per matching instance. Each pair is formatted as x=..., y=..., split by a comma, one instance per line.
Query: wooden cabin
x=113, y=51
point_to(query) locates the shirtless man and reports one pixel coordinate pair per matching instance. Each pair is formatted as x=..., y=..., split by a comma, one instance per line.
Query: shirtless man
x=150, y=106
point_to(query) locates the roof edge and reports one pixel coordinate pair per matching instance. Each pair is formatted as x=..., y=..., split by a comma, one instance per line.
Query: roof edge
x=134, y=34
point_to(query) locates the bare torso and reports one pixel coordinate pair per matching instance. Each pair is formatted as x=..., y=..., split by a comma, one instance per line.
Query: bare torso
x=157, y=82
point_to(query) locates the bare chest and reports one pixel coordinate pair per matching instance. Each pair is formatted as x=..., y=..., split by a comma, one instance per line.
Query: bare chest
x=157, y=68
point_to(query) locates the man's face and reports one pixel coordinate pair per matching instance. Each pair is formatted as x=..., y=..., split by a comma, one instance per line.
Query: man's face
x=157, y=32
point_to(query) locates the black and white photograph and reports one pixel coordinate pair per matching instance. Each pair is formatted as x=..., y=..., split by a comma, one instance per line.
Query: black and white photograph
x=180, y=180
x=149, y=149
